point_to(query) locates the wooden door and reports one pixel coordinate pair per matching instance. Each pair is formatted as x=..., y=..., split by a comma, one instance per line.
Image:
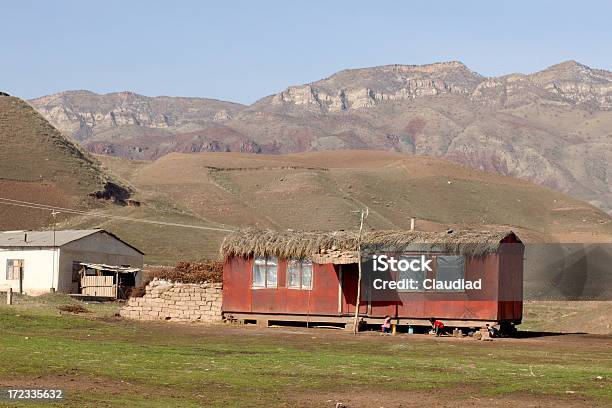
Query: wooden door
x=98, y=286
x=350, y=276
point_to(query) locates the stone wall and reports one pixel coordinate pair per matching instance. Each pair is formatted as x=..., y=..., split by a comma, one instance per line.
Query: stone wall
x=177, y=302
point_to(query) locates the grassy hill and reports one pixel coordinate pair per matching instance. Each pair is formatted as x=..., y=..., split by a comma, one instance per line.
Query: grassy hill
x=322, y=190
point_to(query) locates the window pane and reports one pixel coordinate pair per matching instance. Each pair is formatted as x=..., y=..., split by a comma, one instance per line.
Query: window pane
x=259, y=273
x=271, y=273
x=449, y=268
x=306, y=275
x=294, y=274
x=417, y=276
x=14, y=269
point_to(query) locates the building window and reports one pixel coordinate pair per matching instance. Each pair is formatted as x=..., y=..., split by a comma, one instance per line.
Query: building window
x=450, y=268
x=265, y=273
x=14, y=269
x=300, y=274
x=417, y=276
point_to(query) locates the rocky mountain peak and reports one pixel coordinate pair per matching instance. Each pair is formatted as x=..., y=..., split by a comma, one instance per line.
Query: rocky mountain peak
x=82, y=114
x=366, y=87
x=572, y=71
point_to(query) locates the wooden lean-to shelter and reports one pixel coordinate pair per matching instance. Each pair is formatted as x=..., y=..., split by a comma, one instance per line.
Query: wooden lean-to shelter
x=276, y=276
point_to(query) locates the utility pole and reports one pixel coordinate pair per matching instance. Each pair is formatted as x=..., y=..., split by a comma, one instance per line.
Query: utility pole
x=53, y=214
x=364, y=215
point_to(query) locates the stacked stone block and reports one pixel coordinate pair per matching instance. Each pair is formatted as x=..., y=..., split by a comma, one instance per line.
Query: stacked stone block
x=177, y=302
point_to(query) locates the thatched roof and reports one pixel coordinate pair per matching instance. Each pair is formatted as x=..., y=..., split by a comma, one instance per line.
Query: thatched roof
x=342, y=245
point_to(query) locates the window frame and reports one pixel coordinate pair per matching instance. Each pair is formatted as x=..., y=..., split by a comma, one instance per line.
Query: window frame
x=437, y=271
x=10, y=266
x=268, y=263
x=300, y=270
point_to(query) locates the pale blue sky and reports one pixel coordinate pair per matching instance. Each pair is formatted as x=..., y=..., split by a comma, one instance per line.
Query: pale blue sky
x=244, y=50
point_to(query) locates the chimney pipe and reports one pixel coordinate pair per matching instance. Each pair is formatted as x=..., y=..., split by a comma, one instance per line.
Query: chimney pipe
x=412, y=222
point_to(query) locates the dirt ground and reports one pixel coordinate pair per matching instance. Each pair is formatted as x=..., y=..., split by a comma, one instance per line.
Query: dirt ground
x=364, y=398
x=434, y=398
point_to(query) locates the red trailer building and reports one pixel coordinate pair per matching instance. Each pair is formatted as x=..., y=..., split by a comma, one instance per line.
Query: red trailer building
x=272, y=276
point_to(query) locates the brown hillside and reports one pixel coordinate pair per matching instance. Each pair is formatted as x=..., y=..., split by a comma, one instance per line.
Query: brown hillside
x=38, y=164
x=321, y=191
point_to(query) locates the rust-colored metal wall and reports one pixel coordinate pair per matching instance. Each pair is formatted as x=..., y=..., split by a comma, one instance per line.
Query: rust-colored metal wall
x=481, y=305
x=239, y=296
x=501, y=274
x=510, y=304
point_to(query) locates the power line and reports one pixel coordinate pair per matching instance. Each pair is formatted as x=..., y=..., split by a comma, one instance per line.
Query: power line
x=26, y=204
x=38, y=206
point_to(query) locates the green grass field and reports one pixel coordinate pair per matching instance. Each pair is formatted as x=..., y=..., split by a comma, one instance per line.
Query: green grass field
x=104, y=361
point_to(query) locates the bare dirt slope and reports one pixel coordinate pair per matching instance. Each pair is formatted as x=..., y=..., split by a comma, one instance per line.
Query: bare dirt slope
x=33, y=150
x=39, y=164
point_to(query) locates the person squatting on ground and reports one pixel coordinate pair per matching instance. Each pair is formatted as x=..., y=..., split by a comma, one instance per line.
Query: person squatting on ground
x=437, y=326
x=386, y=326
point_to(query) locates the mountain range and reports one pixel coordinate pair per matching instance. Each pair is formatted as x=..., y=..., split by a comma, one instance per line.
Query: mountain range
x=553, y=127
x=149, y=202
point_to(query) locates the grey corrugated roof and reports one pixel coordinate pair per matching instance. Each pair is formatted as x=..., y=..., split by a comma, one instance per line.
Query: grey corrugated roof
x=13, y=239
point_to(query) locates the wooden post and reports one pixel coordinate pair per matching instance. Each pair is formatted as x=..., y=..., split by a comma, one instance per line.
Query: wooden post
x=340, y=277
x=21, y=268
x=364, y=215
x=9, y=296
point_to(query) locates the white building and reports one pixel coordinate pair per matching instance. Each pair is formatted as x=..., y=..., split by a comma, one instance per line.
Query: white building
x=37, y=262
